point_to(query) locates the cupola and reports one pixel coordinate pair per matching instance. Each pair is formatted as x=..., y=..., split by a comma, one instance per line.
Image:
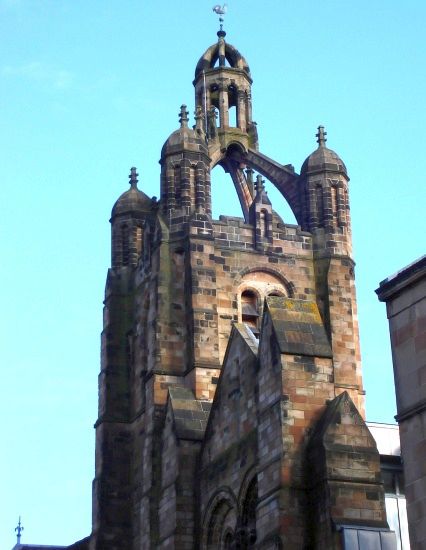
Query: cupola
x=325, y=181
x=185, y=179
x=128, y=221
x=323, y=158
x=223, y=89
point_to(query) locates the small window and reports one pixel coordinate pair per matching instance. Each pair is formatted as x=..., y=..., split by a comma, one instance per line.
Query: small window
x=139, y=240
x=250, y=311
x=125, y=252
x=263, y=223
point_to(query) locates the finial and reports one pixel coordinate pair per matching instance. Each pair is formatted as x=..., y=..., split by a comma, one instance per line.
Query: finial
x=18, y=529
x=133, y=178
x=183, y=117
x=220, y=11
x=321, y=139
x=260, y=184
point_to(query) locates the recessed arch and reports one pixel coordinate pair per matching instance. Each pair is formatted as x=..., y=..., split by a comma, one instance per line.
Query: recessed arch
x=284, y=178
x=242, y=276
x=249, y=310
x=220, y=519
x=225, y=198
x=237, y=157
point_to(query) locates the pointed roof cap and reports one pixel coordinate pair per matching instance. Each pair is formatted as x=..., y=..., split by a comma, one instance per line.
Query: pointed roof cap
x=221, y=50
x=132, y=201
x=323, y=159
x=184, y=137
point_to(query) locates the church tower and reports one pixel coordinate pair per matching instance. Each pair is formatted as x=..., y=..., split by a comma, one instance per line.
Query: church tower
x=231, y=406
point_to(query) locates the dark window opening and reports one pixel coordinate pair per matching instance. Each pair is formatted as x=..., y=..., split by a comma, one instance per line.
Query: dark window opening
x=250, y=311
x=125, y=244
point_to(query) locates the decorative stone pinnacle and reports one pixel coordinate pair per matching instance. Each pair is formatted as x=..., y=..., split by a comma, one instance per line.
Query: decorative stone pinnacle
x=260, y=184
x=183, y=117
x=18, y=529
x=321, y=139
x=133, y=178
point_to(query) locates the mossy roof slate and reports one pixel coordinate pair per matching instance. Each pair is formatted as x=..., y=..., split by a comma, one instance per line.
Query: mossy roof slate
x=298, y=327
x=190, y=414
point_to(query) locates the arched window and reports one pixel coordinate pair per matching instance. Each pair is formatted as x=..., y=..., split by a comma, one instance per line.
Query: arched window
x=250, y=311
x=221, y=527
x=248, y=516
x=228, y=542
x=139, y=241
x=263, y=223
x=319, y=204
x=232, y=106
x=125, y=252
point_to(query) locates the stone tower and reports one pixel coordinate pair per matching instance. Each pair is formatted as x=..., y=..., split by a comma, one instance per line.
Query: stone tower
x=231, y=407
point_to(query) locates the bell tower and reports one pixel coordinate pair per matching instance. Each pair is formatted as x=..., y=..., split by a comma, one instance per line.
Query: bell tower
x=223, y=93
x=230, y=353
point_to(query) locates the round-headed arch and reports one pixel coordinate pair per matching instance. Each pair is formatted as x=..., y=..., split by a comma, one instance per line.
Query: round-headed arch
x=272, y=279
x=220, y=519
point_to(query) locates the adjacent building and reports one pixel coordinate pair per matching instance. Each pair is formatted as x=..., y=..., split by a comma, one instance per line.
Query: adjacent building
x=405, y=297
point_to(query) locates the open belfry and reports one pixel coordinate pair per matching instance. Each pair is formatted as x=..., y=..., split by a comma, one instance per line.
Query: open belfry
x=231, y=405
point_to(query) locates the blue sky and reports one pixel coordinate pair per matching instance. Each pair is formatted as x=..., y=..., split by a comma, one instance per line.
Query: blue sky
x=88, y=89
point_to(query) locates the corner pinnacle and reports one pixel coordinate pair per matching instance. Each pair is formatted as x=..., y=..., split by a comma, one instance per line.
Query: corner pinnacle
x=321, y=139
x=183, y=117
x=133, y=178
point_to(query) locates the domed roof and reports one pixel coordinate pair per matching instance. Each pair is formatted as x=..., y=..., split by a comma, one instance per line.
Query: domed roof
x=221, y=51
x=183, y=137
x=133, y=200
x=323, y=158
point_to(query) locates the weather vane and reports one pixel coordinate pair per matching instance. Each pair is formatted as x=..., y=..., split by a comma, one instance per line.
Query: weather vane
x=18, y=529
x=220, y=11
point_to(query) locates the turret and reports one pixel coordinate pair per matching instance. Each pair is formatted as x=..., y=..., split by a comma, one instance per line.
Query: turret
x=326, y=206
x=128, y=220
x=325, y=213
x=223, y=87
x=185, y=178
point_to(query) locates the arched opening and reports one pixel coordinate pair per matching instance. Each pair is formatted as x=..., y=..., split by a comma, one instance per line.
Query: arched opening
x=125, y=252
x=223, y=195
x=250, y=311
x=139, y=241
x=232, y=106
x=221, y=527
x=279, y=203
x=232, y=114
x=216, y=62
x=319, y=204
x=248, y=517
x=263, y=223
x=228, y=541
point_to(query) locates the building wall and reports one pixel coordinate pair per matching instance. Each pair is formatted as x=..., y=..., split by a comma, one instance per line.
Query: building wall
x=405, y=297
